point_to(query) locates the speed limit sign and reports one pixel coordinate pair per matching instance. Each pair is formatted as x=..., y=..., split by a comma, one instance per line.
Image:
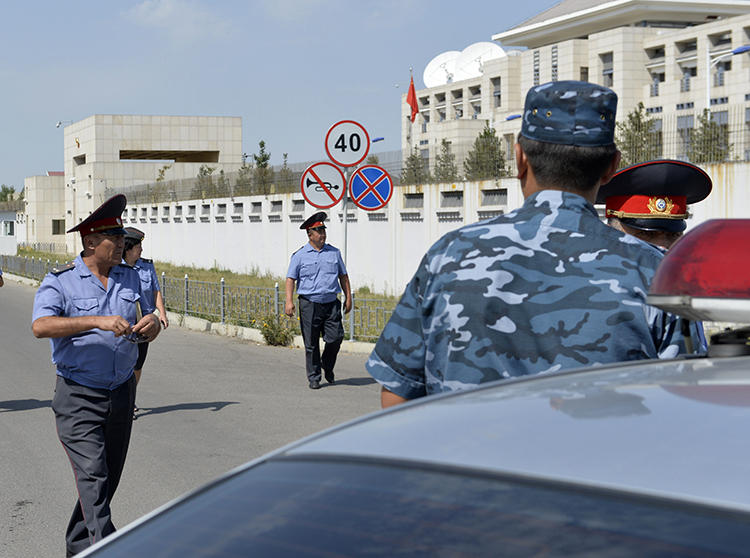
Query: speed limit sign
x=347, y=143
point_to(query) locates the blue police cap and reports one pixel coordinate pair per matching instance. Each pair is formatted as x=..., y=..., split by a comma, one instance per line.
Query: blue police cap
x=570, y=113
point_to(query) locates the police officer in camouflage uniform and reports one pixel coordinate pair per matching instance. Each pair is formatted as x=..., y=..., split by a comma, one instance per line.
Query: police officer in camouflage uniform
x=544, y=288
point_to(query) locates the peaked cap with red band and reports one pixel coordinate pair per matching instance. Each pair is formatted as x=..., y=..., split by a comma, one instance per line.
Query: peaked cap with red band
x=314, y=220
x=105, y=219
x=653, y=196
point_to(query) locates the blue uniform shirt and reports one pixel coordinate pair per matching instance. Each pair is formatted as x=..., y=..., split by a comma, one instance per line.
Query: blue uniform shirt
x=317, y=273
x=149, y=279
x=93, y=358
x=544, y=288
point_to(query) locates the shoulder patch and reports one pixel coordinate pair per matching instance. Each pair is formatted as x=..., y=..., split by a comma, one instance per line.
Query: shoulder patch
x=63, y=268
x=147, y=260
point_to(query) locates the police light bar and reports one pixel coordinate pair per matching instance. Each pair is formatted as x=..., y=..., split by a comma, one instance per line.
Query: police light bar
x=706, y=273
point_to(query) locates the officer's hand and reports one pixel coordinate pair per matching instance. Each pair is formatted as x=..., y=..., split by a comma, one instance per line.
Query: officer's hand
x=164, y=322
x=347, y=305
x=289, y=309
x=148, y=326
x=117, y=324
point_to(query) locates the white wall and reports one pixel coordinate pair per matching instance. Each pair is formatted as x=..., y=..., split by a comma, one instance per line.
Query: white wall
x=383, y=248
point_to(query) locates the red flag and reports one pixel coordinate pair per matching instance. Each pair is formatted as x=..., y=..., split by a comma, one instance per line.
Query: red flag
x=411, y=100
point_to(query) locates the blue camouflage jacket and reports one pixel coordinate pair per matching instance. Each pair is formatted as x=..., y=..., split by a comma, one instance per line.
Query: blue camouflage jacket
x=544, y=288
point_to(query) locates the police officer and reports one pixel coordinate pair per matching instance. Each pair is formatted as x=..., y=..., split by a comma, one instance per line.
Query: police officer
x=319, y=271
x=150, y=285
x=650, y=200
x=88, y=310
x=544, y=288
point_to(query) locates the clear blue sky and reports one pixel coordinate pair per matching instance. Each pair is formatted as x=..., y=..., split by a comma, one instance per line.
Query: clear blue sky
x=289, y=68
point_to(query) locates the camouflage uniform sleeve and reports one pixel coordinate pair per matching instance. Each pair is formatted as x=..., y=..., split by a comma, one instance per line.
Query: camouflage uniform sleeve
x=398, y=360
x=667, y=335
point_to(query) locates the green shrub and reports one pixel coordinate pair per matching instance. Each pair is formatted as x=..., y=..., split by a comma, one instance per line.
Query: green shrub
x=276, y=330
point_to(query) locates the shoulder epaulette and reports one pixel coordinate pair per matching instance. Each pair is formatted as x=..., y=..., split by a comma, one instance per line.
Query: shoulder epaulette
x=63, y=268
x=147, y=260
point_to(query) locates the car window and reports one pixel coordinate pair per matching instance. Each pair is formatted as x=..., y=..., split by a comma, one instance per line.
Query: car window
x=318, y=508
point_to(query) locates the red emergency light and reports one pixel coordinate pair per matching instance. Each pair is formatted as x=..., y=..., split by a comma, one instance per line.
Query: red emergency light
x=706, y=274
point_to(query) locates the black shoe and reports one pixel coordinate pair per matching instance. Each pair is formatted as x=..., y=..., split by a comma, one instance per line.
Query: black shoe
x=330, y=377
x=314, y=384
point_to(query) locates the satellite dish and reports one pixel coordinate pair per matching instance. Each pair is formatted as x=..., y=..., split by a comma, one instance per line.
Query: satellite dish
x=471, y=60
x=441, y=69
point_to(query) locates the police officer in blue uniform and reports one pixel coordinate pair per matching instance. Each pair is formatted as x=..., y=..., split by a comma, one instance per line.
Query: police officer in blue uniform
x=150, y=285
x=544, y=288
x=320, y=274
x=88, y=309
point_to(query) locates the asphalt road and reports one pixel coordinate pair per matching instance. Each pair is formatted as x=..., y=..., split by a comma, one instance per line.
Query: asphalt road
x=208, y=403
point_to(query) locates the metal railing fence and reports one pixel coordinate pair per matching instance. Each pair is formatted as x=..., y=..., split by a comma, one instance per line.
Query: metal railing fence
x=237, y=305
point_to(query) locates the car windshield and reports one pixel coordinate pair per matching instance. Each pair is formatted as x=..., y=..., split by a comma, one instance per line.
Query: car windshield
x=323, y=508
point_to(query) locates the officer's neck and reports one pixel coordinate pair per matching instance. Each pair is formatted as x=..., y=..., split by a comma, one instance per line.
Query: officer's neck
x=98, y=267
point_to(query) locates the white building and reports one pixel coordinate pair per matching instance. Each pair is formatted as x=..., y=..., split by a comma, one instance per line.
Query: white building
x=8, y=217
x=107, y=152
x=677, y=58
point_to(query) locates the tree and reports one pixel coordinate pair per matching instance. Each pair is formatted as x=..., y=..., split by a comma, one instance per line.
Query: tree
x=710, y=141
x=637, y=137
x=222, y=186
x=415, y=169
x=204, y=186
x=372, y=159
x=486, y=158
x=286, y=176
x=445, y=164
x=243, y=186
x=263, y=173
x=7, y=193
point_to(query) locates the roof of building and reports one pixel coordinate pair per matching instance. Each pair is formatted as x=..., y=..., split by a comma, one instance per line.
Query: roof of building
x=571, y=19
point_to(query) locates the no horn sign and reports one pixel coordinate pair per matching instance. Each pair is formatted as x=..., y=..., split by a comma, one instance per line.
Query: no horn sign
x=370, y=187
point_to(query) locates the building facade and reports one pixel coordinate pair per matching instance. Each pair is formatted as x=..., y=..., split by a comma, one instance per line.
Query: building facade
x=677, y=58
x=105, y=153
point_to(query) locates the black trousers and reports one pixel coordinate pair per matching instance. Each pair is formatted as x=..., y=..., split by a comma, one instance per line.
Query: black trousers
x=316, y=318
x=94, y=427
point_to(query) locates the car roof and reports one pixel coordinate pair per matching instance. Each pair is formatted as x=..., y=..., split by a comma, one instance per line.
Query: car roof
x=672, y=429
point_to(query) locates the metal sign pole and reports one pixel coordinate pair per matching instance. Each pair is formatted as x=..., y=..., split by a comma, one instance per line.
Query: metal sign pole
x=346, y=220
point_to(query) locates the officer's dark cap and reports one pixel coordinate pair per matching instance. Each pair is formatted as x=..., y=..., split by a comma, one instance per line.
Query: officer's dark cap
x=131, y=233
x=570, y=113
x=105, y=219
x=314, y=221
x=654, y=195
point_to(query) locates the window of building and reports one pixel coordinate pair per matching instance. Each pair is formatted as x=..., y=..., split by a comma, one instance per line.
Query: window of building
x=656, y=79
x=221, y=209
x=536, y=67
x=80, y=160
x=452, y=199
x=191, y=210
x=9, y=228
x=58, y=226
x=165, y=212
x=688, y=72
x=655, y=53
x=144, y=212
x=584, y=73
x=553, y=61
x=608, y=72
x=688, y=46
x=721, y=39
x=298, y=206
x=257, y=207
x=205, y=209
x=276, y=206
x=496, y=91
x=496, y=196
x=178, y=211
x=237, y=208
x=413, y=201
x=720, y=69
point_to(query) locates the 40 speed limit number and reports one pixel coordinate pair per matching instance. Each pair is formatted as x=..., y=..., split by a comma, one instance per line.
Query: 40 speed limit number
x=347, y=143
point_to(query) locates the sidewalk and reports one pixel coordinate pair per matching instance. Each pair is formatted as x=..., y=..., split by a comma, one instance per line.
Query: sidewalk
x=199, y=324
